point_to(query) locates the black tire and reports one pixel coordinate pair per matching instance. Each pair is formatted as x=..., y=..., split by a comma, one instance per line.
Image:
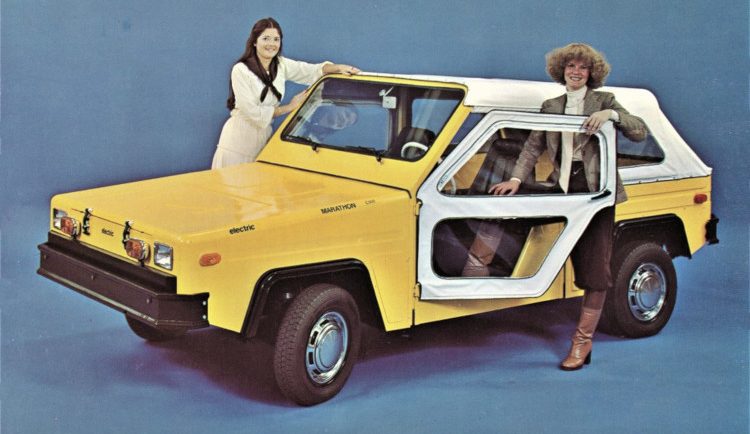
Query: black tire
x=644, y=292
x=151, y=333
x=317, y=344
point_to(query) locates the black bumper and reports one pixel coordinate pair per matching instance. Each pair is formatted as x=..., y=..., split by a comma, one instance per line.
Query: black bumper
x=140, y=292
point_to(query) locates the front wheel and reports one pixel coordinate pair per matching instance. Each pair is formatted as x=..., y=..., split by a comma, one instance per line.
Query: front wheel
x=317, y=344
x=644, y=293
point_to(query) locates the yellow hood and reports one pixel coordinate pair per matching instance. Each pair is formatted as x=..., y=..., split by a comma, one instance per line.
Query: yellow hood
x=199, y=203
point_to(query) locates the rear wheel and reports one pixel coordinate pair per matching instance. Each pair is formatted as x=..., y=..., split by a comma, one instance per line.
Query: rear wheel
x=151, y=333
x=644, y=293
x=317, y=344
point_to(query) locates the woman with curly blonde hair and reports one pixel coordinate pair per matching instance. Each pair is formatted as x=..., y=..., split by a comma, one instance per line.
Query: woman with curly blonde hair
x=575, y=170
x=558, y=59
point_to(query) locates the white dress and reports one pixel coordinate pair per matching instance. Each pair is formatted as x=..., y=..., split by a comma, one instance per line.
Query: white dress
x=248, y=128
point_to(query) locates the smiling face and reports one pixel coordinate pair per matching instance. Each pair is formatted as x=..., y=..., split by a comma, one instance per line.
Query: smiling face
x=268, y=44
x=576, y=74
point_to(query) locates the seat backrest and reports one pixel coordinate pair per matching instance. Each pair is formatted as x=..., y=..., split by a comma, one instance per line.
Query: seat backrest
x=504, y=148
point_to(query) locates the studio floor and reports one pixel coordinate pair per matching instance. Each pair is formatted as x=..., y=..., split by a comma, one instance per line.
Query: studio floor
x=70, y=365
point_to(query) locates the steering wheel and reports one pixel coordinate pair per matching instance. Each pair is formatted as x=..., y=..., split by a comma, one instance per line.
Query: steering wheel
x=411, y=150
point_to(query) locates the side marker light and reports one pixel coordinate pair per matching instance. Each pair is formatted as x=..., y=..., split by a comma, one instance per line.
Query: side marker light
x=209, y=259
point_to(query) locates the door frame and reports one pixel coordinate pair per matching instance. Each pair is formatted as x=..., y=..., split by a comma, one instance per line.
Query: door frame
x=578, y=209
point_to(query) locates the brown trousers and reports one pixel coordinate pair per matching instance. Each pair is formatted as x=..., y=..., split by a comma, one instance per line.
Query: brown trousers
x=592, y=255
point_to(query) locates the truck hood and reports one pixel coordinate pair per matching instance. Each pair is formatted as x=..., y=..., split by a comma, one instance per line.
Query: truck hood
x=234, y=198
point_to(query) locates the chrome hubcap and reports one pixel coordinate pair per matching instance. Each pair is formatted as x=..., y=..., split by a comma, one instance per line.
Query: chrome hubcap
x=326, y=347
x=647, y=291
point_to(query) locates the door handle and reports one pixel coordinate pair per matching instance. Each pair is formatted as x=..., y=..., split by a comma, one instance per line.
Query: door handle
x=602, y=195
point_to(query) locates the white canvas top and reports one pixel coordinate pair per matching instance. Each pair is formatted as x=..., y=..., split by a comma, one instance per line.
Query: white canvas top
x=487, y=94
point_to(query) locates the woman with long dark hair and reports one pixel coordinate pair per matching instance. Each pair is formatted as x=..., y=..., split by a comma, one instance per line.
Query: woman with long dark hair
x=256, y=90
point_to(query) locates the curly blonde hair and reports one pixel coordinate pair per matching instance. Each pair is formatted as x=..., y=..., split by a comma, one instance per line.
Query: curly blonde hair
x=559, y=57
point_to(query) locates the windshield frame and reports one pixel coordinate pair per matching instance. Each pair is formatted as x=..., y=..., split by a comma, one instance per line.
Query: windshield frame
x=404, y=124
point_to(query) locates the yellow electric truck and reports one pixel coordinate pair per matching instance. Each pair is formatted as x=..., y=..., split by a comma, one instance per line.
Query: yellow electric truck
x=362, y=208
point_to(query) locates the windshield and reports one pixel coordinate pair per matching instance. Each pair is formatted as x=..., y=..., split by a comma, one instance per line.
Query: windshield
x=382, y=119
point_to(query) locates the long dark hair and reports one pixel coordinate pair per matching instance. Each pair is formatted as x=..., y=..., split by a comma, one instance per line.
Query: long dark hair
x=250, y=59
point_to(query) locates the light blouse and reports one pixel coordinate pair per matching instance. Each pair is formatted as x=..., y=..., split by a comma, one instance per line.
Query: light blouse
x=249, y=125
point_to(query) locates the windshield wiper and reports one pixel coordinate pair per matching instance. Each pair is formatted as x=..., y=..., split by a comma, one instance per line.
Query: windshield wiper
x=378, y=153
x=303, y=140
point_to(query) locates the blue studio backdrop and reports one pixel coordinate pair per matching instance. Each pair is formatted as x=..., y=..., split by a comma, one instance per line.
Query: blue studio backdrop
x=100, y=92
x=97, y=92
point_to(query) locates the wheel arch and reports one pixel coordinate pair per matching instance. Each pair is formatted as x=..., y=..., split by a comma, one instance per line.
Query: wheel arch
x=277, y=288
x=666, y=230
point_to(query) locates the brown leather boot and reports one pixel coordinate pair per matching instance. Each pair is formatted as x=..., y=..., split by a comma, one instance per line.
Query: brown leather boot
x=476, y=266
x=581, y=343
x=482, y=251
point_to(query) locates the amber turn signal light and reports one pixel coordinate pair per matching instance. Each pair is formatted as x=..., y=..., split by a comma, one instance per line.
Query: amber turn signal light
x=137, y=249
x=209, y=259
x=70, y=226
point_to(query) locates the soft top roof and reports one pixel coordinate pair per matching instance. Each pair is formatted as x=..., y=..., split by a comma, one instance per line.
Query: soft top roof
x=485, y=94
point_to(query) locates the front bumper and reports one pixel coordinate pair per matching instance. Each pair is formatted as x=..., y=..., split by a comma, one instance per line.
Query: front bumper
x=146, y=294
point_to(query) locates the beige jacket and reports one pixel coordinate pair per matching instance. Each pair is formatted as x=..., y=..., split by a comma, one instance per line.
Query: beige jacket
x=631, y=126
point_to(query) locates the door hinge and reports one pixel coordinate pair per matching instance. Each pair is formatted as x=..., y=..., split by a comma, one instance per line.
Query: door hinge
x=417, y=290
x=417, y=206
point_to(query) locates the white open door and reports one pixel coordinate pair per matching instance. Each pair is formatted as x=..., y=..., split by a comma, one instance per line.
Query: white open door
x=537, y=227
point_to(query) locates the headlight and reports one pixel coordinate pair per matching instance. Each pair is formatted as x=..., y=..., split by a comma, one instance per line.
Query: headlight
x=163, y=256
x=57, y=215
